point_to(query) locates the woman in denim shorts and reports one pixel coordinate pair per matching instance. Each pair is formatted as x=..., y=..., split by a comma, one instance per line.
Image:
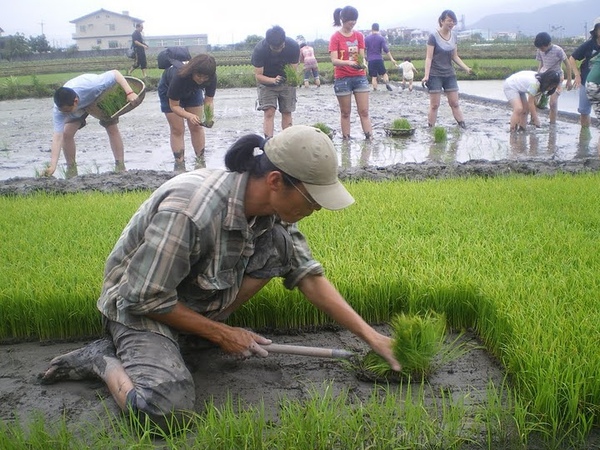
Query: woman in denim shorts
x=439, y=72
x=347, y=51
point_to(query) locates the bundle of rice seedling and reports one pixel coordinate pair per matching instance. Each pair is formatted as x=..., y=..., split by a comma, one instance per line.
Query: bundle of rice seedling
x=416, y=341
x=209, y=116
x=360, y=60
x=541, y=101
x=292, y=77
x=401, y=123
x=439, y=135
x=324, y=128
x=399, y=127
x=112, y=101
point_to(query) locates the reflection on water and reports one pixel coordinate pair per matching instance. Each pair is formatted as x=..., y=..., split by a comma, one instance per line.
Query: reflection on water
x=585, y=148
x=563, y=141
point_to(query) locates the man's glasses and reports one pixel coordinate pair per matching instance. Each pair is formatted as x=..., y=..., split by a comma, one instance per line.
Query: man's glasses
x=311, y=202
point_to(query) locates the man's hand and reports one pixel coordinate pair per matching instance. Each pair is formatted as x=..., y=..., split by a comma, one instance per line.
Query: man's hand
x=244, y=343
x=569, y=84
x=133, y=98
x=383, y=346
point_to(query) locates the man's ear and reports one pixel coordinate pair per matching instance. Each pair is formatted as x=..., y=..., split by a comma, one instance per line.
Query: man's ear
x=274, y=180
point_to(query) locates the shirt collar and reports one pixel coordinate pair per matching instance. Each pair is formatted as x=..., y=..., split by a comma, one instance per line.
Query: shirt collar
x=235, y=217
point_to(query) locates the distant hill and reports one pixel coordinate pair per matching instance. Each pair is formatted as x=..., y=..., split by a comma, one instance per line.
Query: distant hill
x=560, y=20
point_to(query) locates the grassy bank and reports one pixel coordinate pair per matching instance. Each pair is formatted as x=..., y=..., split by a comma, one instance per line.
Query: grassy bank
x=514, y=258
x=24, y=79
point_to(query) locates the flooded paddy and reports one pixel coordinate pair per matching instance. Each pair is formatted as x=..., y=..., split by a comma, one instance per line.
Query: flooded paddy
x=26, y=132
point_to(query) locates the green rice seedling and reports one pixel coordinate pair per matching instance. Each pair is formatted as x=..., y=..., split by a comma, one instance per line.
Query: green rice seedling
x=439, y=135
x=399, y=127
x=475, y=249
x=112, y=101
x=209, y=116
x=292, y=77
x=417, y=339
x=324, y=128
x=401, y=123
x=360, y=59
x=541, y=101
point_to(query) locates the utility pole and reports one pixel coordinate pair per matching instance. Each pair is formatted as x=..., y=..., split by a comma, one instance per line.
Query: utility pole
x=42, y=25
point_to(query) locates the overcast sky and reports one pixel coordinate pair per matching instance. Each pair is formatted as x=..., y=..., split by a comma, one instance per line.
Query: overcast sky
x=230, y=21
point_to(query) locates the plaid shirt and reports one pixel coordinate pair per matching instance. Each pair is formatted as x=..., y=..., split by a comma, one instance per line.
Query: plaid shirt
x=190, y=242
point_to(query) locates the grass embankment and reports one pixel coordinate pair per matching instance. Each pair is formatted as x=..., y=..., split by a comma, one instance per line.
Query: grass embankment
x=26, y=79
x=516, y=258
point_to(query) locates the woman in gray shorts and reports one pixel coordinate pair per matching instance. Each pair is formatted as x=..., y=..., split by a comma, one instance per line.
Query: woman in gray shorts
x=439, y=72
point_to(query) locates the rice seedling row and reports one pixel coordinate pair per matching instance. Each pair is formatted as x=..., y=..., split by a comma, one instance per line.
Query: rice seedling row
x=515, y=258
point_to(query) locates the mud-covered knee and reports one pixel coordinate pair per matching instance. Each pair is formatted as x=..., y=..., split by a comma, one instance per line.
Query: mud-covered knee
x=158, y=410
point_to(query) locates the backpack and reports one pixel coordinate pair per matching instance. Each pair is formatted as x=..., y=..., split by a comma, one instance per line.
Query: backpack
x=167, y=57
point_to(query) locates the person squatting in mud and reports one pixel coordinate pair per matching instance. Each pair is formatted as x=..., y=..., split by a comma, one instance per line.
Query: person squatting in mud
x=521, y=90
x=203, y=244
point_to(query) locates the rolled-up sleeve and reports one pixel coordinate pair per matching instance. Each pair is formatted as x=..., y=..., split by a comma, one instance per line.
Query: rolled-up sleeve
x=303, y=263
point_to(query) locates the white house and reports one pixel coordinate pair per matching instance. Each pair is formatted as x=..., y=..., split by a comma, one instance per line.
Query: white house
x=104, y=29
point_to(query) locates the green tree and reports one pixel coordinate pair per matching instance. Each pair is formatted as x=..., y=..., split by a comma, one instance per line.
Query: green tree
x=252, y=40
x=13, y=46
x=39, y=44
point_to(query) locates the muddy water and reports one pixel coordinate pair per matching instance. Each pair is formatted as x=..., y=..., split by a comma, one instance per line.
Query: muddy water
x=26, y=130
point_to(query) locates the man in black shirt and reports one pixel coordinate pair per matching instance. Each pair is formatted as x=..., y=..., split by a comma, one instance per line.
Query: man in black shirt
x=139, y=46
x=269, y=59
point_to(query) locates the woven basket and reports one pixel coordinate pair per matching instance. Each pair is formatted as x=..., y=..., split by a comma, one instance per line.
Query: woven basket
x=138, y=87
x=396, y=132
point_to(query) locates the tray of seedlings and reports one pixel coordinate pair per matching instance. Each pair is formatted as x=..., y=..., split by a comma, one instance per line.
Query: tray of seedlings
x=113, y=102
x=399, y=127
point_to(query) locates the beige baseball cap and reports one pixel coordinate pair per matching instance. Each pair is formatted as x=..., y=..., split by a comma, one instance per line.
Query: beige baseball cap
x=306, y=153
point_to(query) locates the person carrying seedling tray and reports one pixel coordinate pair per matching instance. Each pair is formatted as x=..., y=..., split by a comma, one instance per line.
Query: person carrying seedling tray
x=69, y=115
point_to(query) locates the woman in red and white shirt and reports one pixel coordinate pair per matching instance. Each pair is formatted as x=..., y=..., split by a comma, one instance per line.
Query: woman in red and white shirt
x=347, y=52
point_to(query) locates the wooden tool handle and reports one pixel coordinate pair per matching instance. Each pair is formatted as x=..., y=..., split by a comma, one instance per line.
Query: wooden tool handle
x=308, y=351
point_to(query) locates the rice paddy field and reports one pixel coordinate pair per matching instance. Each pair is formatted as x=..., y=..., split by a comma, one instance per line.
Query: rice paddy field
x=514, y=259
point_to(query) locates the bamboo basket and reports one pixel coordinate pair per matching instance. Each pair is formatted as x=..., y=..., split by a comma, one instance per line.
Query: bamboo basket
x=396, y=132
x=137, y=85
